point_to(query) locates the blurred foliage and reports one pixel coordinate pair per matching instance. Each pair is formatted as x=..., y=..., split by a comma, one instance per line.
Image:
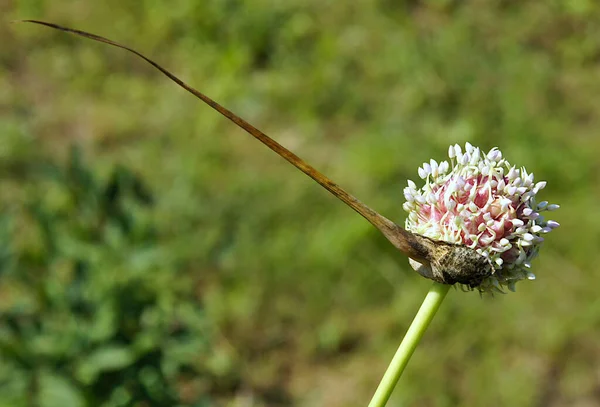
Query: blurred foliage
x=286, y=296
x=92, y=312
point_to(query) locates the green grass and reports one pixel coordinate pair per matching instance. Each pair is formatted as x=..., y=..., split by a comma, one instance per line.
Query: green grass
x=309, y=302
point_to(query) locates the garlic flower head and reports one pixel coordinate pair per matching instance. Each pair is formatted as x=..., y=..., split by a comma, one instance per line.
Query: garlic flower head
x=483, y=202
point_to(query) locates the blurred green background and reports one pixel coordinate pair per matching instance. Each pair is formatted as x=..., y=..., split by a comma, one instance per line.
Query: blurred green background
x=153, y=254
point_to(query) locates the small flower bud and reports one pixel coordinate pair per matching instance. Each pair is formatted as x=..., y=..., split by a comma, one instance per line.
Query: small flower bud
x=451, y=153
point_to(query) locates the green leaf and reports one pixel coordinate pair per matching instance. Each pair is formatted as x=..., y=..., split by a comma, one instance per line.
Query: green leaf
x=108, y=358
x=57, y=391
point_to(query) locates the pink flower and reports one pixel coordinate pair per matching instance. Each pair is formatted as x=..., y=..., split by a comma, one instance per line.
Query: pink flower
x=482, y=202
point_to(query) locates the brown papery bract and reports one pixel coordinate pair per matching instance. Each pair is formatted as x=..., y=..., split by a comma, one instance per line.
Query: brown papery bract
x=442, y=262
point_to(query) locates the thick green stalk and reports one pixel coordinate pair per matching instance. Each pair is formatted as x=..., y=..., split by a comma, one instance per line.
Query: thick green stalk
x=413, y=336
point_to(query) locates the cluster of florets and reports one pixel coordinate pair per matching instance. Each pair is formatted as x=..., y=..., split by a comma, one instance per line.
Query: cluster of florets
x=481, y=201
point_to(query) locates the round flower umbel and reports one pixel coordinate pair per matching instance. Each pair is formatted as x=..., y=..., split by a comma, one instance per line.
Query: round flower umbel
x=482, y=202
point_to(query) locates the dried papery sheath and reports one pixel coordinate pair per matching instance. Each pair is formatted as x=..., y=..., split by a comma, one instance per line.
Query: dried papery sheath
x=483, y=202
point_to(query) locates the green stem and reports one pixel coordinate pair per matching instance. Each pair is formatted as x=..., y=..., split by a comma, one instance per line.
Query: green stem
x=413, y=336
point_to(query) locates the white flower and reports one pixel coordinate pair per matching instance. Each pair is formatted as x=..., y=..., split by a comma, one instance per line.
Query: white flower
x=481, y=201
